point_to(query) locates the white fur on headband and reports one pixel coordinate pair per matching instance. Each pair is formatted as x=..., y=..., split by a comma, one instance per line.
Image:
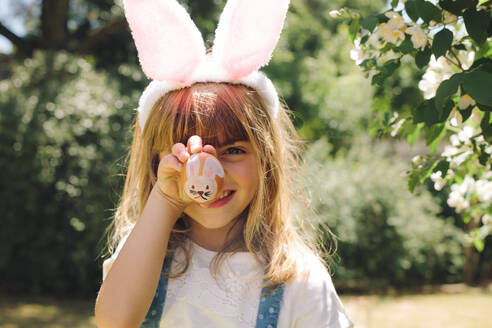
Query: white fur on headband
x=209, y=73
x=172, y=52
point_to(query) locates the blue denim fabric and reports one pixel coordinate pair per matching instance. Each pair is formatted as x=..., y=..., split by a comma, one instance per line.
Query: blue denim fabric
x=268, y=309
x=154, y=314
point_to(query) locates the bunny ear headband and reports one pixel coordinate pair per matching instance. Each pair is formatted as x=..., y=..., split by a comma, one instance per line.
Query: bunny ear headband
x=172, y=52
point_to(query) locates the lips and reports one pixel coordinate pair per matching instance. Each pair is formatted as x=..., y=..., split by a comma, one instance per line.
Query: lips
x=223, y=201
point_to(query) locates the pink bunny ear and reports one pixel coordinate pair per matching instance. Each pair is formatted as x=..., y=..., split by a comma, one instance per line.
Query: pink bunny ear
x=248, y=32
x=169, y=45
x=212, y=168
x=193, y=165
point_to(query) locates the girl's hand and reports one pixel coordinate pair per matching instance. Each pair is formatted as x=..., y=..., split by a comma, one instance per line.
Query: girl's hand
x=170, y=167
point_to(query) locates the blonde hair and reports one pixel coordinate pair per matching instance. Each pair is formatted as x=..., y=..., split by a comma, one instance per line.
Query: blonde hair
x=268, y=224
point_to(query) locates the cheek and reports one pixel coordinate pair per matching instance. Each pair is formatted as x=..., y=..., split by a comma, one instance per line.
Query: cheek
x=249, y=175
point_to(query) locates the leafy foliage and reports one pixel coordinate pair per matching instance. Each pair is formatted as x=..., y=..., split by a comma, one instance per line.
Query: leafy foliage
x=387, y=236
x=456, y=87
x=63, y=128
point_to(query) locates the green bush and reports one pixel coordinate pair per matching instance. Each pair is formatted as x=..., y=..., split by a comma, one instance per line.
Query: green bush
x=63, y=130
x=386, y=235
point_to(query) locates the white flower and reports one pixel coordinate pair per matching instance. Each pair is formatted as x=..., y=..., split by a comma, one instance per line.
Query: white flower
x=486, y=219
x=396, y=127
x=390, y=34
x=484, y=190
x=356, y=54
x=395, y=20
x=465, y=134
x=417, y=159
x=449, y=18
x=488, y=150
x=457, y=201
x=419, y=38
x=466, y=101
x=335, y=13
x=439, y=182
x=458, y=160
x=455, y=118
x=437, y=71
x=449, y=151
x=455, y=141
x=467, y=58
x=460, y=193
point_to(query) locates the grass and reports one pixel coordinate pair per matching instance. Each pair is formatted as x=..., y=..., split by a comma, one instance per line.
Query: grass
x=46, y=313
x=450, y=306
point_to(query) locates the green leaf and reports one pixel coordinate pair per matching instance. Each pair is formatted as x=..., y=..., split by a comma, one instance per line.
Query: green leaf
x=447, y=88
x=412, y=10
x=413, y=180
x=456, y=7
x=422, y=57
x=414, y=136
x=459, y=46
x=394, y=3
x=483, y=158
x=385, y=71
x=364, y=39
x=429, y=12
x=479, y=244
x=427, y=113
x=406, y=46
x=484, y=108
x=442, y=42
x=445, y=110
x=427, y=170
x=477, y=24
x=466, y=113
x=442, y=166
x=353, y=29
x=486, y=125
x=433, y=134
x=369, y=23
x=482, y=64
x=478, y=85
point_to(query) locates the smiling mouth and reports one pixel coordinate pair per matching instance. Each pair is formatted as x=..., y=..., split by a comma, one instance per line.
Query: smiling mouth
x=223, y=201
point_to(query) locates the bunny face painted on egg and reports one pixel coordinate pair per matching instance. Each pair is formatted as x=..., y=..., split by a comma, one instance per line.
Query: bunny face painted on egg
x=203, y=177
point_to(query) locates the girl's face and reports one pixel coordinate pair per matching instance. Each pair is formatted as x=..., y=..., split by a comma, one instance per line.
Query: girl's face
x=241, y=177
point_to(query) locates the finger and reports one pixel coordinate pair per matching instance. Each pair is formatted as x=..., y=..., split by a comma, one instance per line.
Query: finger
x=194, y=144
x=210, y=149
x=179, y=150
x=170, y=163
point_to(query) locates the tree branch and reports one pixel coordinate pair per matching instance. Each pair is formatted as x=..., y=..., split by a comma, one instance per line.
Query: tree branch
x=97, y=36
x=18, y=42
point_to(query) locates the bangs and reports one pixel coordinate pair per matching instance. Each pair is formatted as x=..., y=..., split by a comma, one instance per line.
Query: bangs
x=211, y=111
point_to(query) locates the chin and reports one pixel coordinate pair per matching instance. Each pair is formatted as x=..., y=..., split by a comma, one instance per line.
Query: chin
x=214, y=222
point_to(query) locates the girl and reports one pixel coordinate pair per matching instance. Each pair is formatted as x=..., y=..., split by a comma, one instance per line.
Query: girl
x=239, y=261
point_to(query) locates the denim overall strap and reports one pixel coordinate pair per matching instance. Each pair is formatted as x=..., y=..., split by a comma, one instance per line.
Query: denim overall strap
x=154, y=314
x=269, y=308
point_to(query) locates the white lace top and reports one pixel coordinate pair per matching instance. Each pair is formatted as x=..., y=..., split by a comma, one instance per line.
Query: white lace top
x=196, y=299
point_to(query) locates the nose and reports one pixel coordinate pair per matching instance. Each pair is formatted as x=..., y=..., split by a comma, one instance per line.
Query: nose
x=200, y=192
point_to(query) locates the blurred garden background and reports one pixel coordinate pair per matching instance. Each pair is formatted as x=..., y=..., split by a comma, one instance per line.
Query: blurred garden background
x=69, y=84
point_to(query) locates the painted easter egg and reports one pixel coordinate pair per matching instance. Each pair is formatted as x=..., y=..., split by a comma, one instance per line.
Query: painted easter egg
x=202, y=177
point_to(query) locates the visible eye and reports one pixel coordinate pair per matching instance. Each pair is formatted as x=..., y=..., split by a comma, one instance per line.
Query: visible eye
x=193, y=186
x=234, y=151
x=207, y=187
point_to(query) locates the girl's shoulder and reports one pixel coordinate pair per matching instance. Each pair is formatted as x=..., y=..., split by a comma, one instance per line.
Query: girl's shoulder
x=311, y=300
